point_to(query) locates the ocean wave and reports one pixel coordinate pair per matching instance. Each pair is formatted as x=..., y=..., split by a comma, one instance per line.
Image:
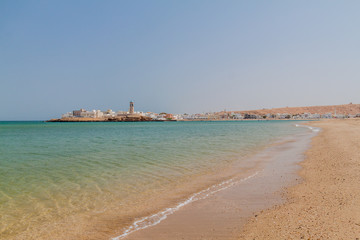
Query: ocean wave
x=314, y=129
x=155, y=219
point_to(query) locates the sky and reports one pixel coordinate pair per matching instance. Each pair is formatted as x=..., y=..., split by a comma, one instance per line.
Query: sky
x=176, y=56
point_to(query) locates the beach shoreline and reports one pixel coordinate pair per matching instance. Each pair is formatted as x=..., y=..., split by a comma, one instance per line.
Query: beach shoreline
x=303, y=186
x=326, y=204
x=318, y=197
x=232, y=151
x=222, y=215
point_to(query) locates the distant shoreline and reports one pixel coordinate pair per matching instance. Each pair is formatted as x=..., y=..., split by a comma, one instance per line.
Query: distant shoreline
x=182, y=120
x=114, y=119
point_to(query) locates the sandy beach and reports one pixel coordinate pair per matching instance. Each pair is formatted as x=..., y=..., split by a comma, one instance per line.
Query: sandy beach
x=326, y=205
x=302, y=187
x=316, y=197
x=179, y=120
x=223, y=214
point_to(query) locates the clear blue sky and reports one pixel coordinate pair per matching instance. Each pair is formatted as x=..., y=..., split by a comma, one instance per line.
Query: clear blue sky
x=176, y=56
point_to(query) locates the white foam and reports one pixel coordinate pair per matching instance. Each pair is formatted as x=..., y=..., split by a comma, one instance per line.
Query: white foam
x=154, y=219
x=314, y=129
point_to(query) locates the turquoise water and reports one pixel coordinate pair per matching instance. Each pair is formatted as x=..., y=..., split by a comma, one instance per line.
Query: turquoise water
x=50, y=171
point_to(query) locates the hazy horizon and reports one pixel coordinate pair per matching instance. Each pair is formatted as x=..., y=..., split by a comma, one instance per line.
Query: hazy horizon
x=178, y=56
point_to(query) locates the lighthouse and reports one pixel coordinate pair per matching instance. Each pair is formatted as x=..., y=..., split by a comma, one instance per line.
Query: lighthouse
x=131, y=110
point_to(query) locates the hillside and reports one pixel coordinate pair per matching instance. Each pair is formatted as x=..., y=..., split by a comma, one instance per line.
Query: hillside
x=340, y=109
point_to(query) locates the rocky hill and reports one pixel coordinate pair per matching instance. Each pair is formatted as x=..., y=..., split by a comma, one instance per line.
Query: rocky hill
x=345, y=109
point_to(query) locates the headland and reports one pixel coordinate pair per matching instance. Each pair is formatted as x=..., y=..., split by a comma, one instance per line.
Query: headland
x=288, y=113
x=104, y=119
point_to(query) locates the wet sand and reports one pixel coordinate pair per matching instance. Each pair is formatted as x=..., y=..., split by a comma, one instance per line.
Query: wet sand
x=222, y=215
x=316, y=199
x=327, y=204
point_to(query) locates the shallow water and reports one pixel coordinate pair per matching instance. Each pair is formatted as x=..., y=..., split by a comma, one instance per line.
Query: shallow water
x=53, y=171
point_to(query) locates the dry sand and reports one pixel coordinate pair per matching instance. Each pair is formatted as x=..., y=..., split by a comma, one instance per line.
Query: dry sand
x=327, y=204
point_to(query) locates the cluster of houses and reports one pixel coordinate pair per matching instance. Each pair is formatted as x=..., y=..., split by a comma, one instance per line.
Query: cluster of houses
x=98, y=114
x=236, y=116
x=82, y=113
x=245, y=116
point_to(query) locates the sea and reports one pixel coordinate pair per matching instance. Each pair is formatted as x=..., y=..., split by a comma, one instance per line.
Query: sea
x=108, y=179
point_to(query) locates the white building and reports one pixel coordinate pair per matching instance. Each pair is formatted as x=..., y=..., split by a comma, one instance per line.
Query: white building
x=315, y=115
x=237, y=116
x=67, y=115
x=92, y=114
x=326, y=115
x=109, y=113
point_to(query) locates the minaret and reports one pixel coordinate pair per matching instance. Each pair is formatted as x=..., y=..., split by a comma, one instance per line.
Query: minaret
x=131, y=110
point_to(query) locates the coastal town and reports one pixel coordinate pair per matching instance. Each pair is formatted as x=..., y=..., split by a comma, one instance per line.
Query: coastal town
x=295, y=113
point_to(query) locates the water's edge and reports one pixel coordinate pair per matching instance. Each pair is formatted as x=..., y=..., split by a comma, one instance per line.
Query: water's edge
x=262, y=156
x=100, y=181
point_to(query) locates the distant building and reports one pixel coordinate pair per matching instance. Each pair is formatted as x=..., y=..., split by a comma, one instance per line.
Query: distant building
x=326, y=115
x=237, y=116
x=250, y=116
x=121, y=113
x=84, y=114
x=315, y=115
x=109, y=113
x=131, y=110
x=169, y=116
x=77, y=113
x=67, y=115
